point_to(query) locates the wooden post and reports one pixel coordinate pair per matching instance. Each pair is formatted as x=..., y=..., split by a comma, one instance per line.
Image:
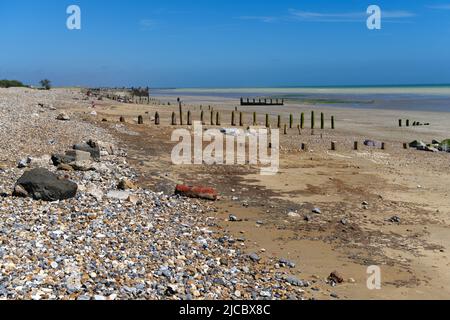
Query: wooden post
x=333, y=146
x=299, y=130
x=212, y=117
x=181, y=113
x=355, y=145
x=122, y=119
x=218, y=118
x=157, y=119
x=140, y=120
x=202, y=117
x=332, y=122
x=400, y=123
x=322, y=121
x=189, y=118
x=241, y=119
x=285, y=129
x=313, y=120
x=291, y=121
x=303, y=147
x=279, y=122
x=267, y=121
x=233, y=120
x=174, y=119
x=254, y=119
x=407, y=123
x=383, y=146
x=302, y=121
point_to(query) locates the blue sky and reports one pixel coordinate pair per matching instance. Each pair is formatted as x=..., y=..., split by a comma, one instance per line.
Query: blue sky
x=246, y=43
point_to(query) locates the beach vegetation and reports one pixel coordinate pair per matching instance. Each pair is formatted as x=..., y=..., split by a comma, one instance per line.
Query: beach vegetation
x=11, y=84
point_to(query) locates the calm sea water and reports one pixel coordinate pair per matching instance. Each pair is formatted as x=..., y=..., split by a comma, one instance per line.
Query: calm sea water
x=424, y=98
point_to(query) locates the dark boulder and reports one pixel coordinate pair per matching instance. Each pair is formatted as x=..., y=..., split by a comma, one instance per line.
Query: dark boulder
x=91, y=146
x=41, y=184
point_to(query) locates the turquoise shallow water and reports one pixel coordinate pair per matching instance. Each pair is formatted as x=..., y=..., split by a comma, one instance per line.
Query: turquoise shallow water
x=423, y=98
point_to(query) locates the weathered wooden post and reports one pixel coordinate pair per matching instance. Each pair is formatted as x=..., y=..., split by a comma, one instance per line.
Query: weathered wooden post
x=202, y=117
x=279, y=122
x=355, y=145
x=407, y=123
x=189, y=118
x=285, y=129
x=122, y=119
x=218, y=118
x=304, y=147
x=322, y=121
x=333, y=146
x=332, y=122
x=254, y=119
x=313, y=120
x=241, y=119
x=299, y=130
x=181, y=113
x=383, y=146
x=291, y=121
x=400, y=123
x=302, y=121
x=140, y=120
x=212, y=117
x=157, y=119
x=233, y=119
x=174, y=119
x=267, y=121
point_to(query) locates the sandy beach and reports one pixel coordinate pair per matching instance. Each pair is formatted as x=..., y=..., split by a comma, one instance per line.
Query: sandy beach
x=358, y=192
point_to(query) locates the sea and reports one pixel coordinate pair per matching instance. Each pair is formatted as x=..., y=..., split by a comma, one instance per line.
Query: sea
x=411, y=97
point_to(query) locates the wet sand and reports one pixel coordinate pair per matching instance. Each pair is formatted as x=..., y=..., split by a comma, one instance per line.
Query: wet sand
x=348, y=236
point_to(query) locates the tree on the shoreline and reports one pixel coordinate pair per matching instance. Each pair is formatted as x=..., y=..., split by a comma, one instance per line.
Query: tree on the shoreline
x=46, y=84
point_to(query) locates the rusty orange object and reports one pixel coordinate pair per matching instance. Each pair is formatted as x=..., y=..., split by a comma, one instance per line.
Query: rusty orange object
x=197, y=192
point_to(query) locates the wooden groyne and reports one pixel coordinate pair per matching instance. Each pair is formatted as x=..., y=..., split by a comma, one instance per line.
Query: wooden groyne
x=262, y=102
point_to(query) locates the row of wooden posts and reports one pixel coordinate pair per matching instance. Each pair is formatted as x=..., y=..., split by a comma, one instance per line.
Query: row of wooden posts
x=215, y=119
x=304, y=147
x=414, y=124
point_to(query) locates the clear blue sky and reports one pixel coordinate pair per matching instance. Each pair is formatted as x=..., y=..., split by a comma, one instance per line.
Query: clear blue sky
x=223, y=43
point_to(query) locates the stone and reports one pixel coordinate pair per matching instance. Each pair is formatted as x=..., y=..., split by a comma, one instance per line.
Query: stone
x=58, y=159
x=83, y=166
x=92, y=147
x=63, y=117
x=232, y=218
x=316, y=211
x=417, y=144
x=293, y=215
x=65, y=167
x=394, y=219
x=126, y=184
x=23, y=163
x=78, y=155
x=95, y=192
x=296, y=282
x=254, y=257
x=41, y=184
x=118, y=195
x=336, y=277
